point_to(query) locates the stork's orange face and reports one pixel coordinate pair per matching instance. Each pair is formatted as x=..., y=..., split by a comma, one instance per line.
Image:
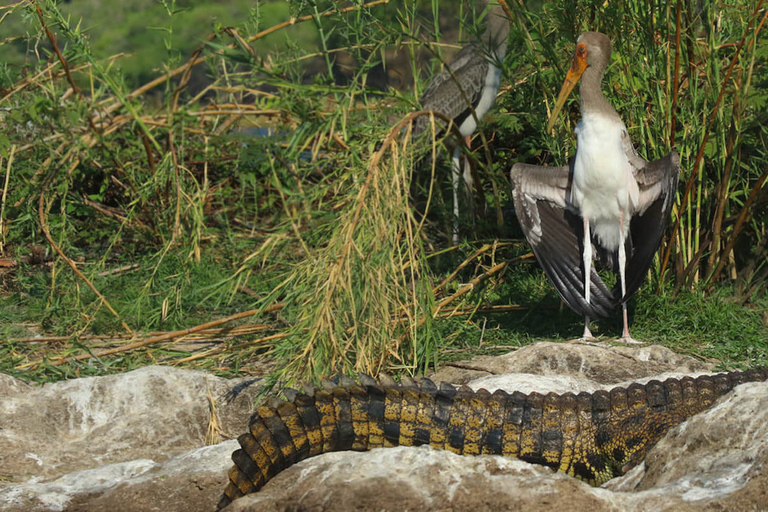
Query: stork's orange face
x=578, y=65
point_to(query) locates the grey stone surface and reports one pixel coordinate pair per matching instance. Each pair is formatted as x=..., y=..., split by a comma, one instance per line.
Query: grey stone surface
x=71, y=425
x=136, y=442
x=604, y=362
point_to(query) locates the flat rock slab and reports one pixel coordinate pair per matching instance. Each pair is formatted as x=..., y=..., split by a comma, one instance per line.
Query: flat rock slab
x=136, y=442
x=152, y=413
x=603, y=363
x=191, y=482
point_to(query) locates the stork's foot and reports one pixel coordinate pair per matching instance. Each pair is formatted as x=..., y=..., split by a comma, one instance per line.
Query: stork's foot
x=587, y=336
x=629, y=340
x=586, y=339
x=590, y=342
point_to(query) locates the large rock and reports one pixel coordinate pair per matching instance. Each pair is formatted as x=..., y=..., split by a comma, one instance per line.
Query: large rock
x=123, y=424
x=191, y=482
x=136, y=442
x=600, y=362
x=423, y=479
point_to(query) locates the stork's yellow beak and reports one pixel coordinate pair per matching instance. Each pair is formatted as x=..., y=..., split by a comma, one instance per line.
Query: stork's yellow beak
x=578, y=65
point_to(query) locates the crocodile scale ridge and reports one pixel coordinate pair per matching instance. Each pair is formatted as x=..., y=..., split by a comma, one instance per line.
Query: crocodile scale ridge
x=591, y=436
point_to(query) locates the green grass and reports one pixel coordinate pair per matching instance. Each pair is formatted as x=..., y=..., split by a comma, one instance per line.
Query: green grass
x=715, y=326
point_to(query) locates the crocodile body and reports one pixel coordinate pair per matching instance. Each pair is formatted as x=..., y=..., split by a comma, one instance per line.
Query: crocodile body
x=591, y=436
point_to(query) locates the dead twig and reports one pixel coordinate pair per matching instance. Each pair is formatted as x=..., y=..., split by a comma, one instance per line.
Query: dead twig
x=157, y=339
x=484, y=311
x=477, y=281
x=240, y=330
x=485, y=248
x=218, y=350
x=47, y=233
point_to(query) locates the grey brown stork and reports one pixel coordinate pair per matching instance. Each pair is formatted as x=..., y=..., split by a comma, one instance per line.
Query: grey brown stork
x=466, y=88
x=609, y=198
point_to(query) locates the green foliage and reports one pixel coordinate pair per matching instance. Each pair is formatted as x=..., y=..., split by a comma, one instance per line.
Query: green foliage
x=151, y=34
x=277, y=183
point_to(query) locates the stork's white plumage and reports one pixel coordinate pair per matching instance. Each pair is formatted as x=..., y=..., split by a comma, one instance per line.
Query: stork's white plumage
x=603, y=186
x=609, y=197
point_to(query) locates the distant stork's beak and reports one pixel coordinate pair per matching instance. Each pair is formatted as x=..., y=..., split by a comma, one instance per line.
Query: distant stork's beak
x=578, y=65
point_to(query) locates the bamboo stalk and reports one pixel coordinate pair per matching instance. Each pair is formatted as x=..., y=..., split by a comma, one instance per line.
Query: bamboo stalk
x=741, y=221
x=705, y=138
x=181, y=69
x=64, y=63
x=722, y=189
x=676, y=83
x=4, y=197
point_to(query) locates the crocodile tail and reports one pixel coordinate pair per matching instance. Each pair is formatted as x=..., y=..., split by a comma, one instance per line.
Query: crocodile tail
x=594, y=437
x=375, y=414
x=350, y=416
x=630, y=421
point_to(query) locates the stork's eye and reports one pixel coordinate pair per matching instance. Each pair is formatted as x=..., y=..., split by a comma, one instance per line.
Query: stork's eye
x=581, y=50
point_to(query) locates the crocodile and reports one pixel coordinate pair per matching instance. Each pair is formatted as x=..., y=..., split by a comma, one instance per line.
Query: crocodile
x=591, y=436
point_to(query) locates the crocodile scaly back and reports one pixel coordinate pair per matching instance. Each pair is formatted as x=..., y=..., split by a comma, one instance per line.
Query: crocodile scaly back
x=591, y=436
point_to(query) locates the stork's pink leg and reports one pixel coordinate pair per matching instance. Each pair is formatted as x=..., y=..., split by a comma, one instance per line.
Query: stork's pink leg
x=587, y=281
x=625, y=337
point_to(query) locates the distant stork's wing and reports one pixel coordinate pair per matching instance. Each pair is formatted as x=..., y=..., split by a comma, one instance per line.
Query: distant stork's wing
x=449, y=91
x=657, y=181
x=555, y=234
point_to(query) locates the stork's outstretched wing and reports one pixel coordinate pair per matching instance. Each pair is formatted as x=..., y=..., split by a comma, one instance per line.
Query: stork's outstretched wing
x=657, y=181
x=555, y=233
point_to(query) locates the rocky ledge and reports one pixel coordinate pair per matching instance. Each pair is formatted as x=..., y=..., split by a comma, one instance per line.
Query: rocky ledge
x=141, y=441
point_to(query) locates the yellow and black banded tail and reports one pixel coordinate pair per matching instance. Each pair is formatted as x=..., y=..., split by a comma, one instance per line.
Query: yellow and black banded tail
x=592, y=436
